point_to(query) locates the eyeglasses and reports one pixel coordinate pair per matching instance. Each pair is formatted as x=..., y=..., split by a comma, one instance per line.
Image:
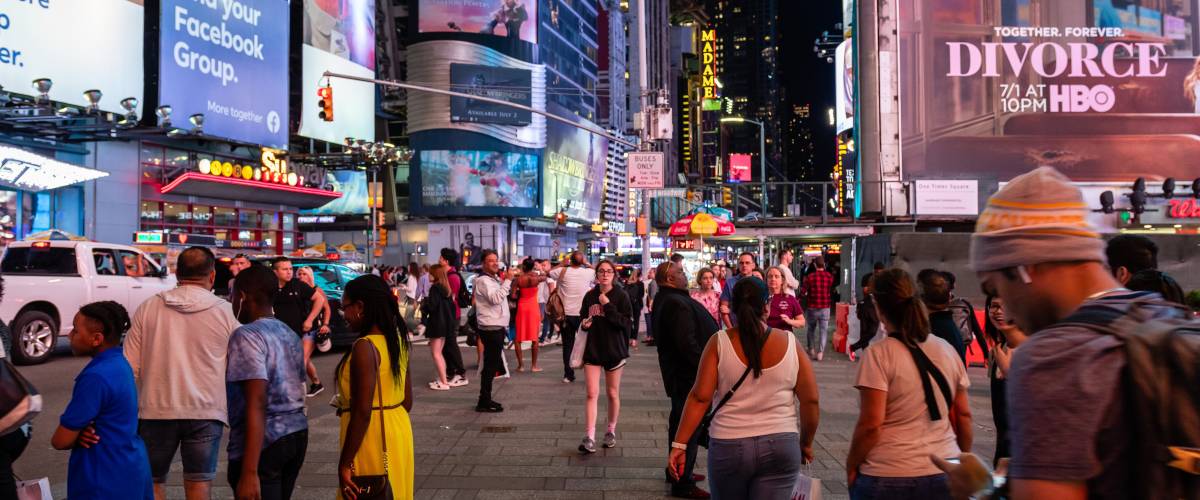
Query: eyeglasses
x=606, y=271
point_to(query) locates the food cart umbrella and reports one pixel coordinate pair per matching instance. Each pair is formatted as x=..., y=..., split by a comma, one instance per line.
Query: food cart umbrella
x=54, y=234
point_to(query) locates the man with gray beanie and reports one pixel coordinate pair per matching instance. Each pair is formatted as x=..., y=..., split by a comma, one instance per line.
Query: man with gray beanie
x=1072, y=436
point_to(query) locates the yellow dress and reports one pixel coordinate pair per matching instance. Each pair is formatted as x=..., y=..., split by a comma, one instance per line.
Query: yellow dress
x=398, y=428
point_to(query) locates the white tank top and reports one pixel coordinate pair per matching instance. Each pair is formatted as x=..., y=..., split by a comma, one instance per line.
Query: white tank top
x=761, y=406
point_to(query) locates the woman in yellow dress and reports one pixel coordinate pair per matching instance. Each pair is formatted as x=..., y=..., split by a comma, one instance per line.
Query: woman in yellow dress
x=373, y=381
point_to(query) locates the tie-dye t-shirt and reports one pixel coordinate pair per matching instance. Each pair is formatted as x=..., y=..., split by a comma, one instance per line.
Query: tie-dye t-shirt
x=266, y=349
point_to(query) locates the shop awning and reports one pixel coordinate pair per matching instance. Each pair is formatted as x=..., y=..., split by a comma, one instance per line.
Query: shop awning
x=197, y=184
x=20, y=169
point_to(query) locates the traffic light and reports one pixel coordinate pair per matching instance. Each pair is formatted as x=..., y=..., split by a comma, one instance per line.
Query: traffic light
x=383, y=236
x=726, y=197
x=561, y=218
x=380, y=218
x=326, y=103
x=1106, y=202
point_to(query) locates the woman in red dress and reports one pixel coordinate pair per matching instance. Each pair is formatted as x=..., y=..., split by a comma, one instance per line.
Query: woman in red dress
x=529, y=317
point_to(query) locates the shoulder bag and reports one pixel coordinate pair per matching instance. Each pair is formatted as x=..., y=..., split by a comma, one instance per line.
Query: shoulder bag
x=375, y=487
x=701, y=434
x=555, y=308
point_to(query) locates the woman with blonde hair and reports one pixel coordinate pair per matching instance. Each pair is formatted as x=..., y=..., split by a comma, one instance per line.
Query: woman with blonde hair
x=310, y=338
x=437, y=314
x=1191, y=85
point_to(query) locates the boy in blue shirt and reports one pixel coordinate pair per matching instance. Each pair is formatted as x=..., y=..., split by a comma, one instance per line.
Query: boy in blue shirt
x=99, y=426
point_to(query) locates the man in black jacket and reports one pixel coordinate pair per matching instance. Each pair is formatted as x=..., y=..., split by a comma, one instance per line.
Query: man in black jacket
x=681, y=327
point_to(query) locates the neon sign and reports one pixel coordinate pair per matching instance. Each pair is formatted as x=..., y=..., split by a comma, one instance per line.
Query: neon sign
x=273, y=169
x=708, y=63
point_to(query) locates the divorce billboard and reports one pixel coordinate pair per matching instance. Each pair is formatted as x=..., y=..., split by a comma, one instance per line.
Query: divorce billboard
x=1101, y=91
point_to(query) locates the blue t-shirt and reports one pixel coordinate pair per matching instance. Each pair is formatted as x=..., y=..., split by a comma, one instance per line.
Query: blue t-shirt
x=727, y=296
x=266, y=349
x=106, y=397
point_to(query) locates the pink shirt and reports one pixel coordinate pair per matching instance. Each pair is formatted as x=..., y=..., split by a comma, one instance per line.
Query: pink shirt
x=711, y=300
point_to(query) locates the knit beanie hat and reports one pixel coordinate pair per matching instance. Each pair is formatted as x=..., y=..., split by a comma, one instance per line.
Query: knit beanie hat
x=1038, y=217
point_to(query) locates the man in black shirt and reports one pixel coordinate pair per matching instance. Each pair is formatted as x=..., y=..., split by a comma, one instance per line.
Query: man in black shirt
x=297, y=305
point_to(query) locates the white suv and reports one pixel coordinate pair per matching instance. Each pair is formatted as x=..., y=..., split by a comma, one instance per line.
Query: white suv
x=46, y=282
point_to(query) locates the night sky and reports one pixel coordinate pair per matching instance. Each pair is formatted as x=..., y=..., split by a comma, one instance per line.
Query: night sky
x=809, y=79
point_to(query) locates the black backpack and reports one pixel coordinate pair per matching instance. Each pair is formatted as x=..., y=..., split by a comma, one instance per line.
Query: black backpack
x=1162, y=381
x=463, y=299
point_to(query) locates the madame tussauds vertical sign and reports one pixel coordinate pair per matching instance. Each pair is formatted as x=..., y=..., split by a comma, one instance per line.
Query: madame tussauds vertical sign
x=1053, y=60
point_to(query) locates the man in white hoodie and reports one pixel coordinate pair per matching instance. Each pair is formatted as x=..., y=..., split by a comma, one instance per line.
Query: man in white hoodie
x=177, y=345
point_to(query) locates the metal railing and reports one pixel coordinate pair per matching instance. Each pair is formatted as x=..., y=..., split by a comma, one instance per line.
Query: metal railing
x=791, y=202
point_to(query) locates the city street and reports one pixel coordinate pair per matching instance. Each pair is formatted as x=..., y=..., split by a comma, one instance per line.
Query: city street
x=527, y=452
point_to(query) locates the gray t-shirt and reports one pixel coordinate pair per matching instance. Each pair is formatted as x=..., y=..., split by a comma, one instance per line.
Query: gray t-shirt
x=1066, y=418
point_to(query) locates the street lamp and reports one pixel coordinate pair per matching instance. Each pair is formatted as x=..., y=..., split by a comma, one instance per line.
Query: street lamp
x=762, y=154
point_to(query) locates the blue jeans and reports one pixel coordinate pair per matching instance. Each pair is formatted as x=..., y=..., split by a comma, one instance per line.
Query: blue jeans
x=198, y=442
x=817, y=325
x=759, y=467
x=932, y=487
x=547, y=325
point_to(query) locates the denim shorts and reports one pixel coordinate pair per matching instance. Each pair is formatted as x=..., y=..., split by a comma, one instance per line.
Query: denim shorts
x=198, y=442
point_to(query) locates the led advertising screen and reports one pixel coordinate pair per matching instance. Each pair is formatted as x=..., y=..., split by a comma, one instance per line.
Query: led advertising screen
x=339, y=36
x=575, y=165
x=41, y=39
x=515, y=19
x=844, y=86
x=739, y=167
x=478, y=179
x=227, y=60
x=355, y=198
x=1101, y=90
x=507, y=84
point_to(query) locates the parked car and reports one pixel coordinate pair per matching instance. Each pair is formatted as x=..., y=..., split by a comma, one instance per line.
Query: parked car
x=47, y=281
x=331, y=277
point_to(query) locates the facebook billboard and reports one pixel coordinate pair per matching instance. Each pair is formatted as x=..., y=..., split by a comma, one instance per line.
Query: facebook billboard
x=227, y=60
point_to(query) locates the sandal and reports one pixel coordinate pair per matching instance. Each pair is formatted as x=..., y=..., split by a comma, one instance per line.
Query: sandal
x=438, y=386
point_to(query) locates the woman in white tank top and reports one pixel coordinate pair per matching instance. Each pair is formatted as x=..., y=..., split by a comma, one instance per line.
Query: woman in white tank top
x=754, y=448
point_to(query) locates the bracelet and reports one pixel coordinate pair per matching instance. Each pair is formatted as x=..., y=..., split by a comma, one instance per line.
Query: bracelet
x=678, y=446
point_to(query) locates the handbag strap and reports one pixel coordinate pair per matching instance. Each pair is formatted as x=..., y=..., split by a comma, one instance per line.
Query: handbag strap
x=927, y=370
x=708, y=417
x=379, y=392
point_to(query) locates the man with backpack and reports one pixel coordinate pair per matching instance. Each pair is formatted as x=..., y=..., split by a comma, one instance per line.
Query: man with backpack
x=1102, y=395
x=456, y=372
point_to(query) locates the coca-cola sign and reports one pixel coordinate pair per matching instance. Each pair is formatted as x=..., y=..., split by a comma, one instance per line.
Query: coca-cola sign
x=1184, y=209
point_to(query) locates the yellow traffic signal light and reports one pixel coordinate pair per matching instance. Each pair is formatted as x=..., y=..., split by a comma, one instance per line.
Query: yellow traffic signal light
x=726, y=196
x=326, y=103
x=383, y=236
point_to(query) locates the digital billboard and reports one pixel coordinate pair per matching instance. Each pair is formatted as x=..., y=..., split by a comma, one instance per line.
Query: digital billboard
x=507, y=84
x=1102, y=90
x=739, y=167
x=844, y=86
x=515, y=19
x=41, y=39
x=478, y=179
x=575, y=166
x=338, y=36
x=227, y=60
x=355, y=198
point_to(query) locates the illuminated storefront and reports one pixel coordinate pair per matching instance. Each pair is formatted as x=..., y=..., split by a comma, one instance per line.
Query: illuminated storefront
x=245, y=204
x=38, y=192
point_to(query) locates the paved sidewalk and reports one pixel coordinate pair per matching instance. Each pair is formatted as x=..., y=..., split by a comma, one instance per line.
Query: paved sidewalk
x=529, y=451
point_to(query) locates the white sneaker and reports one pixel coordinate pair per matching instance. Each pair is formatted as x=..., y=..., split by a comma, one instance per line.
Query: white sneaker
x=438, y=386
x=458, y=381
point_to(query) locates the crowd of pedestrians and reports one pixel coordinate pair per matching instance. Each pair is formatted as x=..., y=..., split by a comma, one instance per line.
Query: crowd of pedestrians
x=1074, y=332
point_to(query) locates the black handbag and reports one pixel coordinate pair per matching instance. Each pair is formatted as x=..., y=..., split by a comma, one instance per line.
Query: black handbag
x=375, y=487
x=19, y=400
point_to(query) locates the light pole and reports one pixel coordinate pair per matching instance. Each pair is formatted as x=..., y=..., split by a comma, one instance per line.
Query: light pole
x=762, y=155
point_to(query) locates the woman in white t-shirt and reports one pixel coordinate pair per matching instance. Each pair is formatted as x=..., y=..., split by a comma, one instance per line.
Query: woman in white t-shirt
x=904, y=421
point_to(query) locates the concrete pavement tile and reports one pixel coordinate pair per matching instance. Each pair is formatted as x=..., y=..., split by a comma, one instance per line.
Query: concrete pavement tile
x=527, y=471
x=643, y=485
x=485, y=482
